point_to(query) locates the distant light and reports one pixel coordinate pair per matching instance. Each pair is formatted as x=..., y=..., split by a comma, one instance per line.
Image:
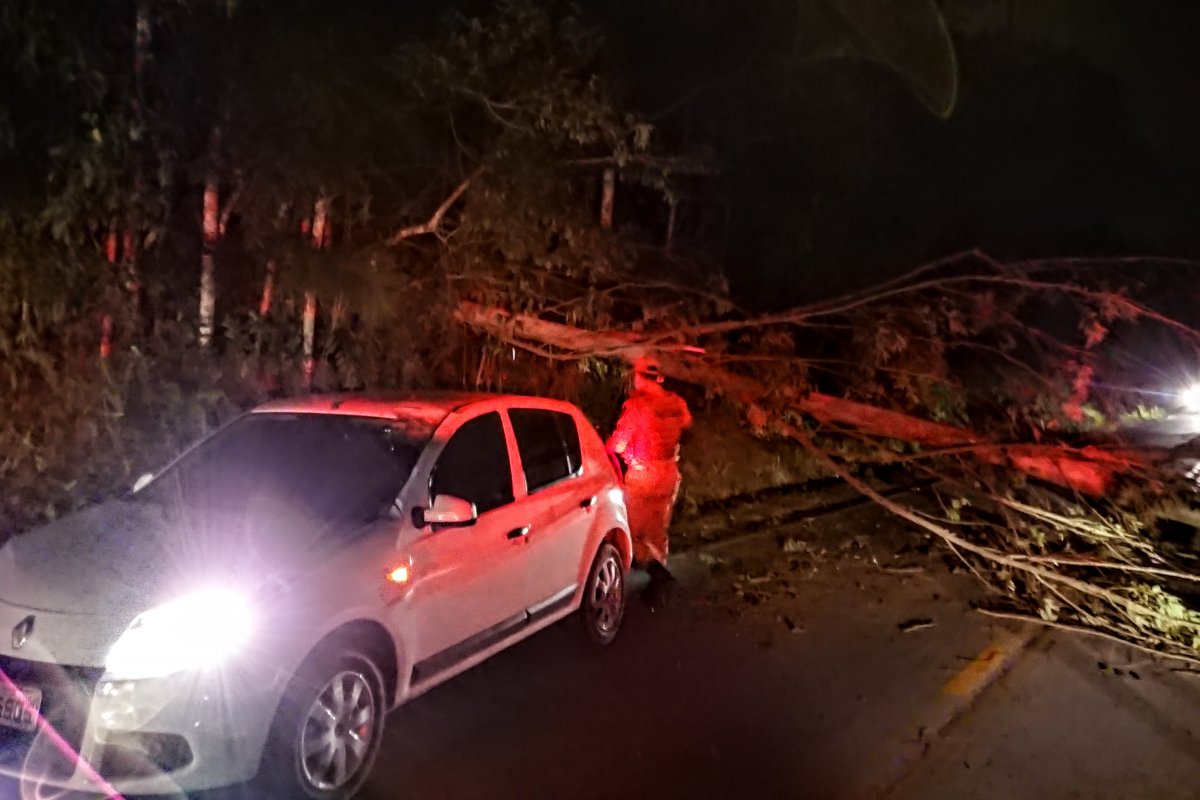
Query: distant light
x=1190, y=397
x=399, y=574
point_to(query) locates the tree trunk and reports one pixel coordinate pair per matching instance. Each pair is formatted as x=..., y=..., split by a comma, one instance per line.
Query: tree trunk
x=608, y=193
x=129, y=265
x=268, y=291
x=112, y=244
x=211, y=232
x=141, y=45
x=309, y=332
x=106, y=326
x=141, y=54
x=111, y=247
x=673, y=207
x=320, y=240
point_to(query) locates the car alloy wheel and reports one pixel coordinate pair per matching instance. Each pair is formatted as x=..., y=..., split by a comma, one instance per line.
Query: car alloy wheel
x=604, y=596
x=338, y=731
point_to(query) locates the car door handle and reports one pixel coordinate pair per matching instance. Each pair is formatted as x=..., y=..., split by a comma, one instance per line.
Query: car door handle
x=519, y=533
x=588, y=503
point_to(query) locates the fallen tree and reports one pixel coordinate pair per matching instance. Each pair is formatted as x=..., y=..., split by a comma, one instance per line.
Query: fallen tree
x=1090, y=470
x=1061, y=529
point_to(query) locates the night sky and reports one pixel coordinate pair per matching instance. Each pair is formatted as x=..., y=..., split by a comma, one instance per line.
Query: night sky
x=1075, y=134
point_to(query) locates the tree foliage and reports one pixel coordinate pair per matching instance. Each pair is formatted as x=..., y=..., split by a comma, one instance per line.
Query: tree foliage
x=279, y=106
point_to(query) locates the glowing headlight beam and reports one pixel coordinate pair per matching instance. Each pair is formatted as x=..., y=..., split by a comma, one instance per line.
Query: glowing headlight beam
x=196, y=631
x=1190, y=397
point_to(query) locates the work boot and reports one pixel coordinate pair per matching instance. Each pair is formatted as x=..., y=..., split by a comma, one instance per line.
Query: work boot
x=658, y=592
x=659, y=572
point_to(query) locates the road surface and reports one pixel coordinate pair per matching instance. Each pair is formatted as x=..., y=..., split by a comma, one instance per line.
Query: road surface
x=830, y=669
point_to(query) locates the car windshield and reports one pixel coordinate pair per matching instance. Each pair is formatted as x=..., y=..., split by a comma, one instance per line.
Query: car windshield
x=334, y=469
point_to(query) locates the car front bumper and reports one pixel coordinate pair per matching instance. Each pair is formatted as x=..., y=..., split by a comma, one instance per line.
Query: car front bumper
x=186, y=732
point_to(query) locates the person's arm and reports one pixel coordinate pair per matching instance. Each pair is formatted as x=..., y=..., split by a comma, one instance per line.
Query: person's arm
x=686, y=422
x=623, y=433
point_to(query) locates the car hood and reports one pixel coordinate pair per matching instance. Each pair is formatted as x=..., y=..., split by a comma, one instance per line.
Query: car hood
x=104, y=559
x=119, y=558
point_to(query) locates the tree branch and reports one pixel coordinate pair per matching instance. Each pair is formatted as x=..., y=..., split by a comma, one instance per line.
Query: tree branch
x=227, y=212
x=435, y=222
x=1089, y=631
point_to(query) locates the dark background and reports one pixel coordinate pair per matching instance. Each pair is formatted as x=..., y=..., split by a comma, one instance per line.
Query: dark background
x=1075, y=133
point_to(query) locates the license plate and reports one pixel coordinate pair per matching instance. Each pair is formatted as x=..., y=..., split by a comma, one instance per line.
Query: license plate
x=17, y=711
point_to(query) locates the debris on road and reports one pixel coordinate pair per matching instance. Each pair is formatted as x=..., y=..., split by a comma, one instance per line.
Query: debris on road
x=916, y=624
x=909, y=570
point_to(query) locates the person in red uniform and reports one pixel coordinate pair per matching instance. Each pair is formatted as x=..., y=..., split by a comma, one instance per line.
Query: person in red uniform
x=647, y=440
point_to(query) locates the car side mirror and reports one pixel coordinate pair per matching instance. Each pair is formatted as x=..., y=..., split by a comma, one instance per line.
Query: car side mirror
x=447, y=511
x=142, y=481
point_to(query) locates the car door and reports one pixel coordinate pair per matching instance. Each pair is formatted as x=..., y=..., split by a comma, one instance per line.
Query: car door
x=469, y=590
x=560, y=499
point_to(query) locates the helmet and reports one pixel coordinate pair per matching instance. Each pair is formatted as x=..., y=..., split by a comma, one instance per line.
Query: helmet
x=648, y=368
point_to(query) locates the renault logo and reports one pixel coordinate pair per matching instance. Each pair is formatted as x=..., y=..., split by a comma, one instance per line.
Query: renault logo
x=22, y=632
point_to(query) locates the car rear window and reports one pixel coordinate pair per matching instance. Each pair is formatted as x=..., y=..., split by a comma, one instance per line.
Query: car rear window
x=549, y=445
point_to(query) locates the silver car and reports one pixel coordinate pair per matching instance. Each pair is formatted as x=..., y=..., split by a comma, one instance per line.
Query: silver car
x=253, y=611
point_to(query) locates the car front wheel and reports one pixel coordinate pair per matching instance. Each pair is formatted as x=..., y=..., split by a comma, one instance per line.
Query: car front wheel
x=603, y=605
x=327, y=730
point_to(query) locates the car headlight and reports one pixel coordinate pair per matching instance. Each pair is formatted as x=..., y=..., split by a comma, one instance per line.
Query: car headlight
x=196, y=631
x=1189, y=397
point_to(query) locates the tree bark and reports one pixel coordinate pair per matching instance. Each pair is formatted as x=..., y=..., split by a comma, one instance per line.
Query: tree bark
x=141, y=54
x=141, y=45
x=129, y=264
x=673, y=207
x=268, y=291
x=111, y=254
x=309, y=332
x=607, y=198
x=211, y=231
x=320, y=240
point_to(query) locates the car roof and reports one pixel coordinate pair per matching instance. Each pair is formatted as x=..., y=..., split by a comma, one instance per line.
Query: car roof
x=429, y=408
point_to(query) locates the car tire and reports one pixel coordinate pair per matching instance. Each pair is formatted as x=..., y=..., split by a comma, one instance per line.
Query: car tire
x=603, y=604
x=333, y=711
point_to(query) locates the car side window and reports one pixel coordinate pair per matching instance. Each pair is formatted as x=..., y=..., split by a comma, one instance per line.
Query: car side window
x=549, y=445
x=475, y=466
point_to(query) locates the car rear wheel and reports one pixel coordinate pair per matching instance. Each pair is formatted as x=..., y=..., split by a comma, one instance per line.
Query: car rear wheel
x=327, y=731
x=603, y=605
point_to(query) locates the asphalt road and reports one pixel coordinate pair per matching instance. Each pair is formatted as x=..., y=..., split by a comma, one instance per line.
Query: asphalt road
x=1165, y=434
x=688, y=703
x=812, y=690
x=824, y=671
x=1073, y=719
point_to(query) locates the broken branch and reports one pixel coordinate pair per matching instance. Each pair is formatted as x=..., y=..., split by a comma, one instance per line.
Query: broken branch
x=434, y=223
